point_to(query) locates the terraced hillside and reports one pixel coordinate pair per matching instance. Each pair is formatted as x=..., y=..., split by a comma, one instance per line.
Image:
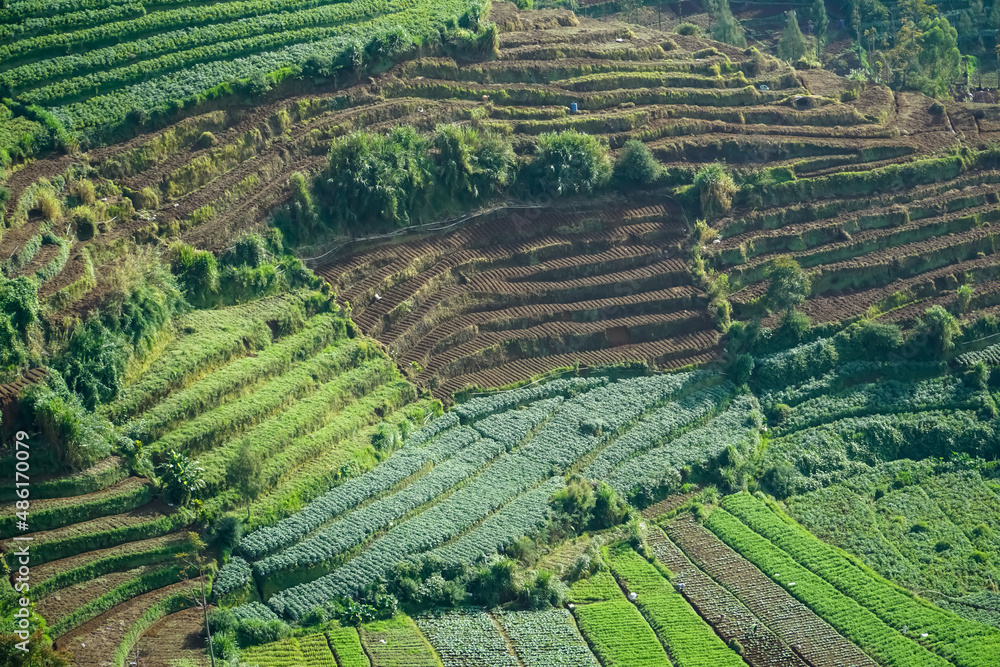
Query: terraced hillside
x=528, y=291
x=103, y=558
x=492, y=478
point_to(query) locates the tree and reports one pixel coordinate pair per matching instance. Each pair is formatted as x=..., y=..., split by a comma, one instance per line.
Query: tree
x=568, y=162
x=636, y=165
x=181, y=476
x=473, y=164
x=194, y=560
x=820, y=22
x=376, y=178
x=789, y=284
x=245, y=473
x=726, y=27
x=715, y=188
x=939, y=327
x=792, y=44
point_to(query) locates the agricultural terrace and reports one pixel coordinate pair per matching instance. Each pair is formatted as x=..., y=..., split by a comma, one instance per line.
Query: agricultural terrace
x=744, y=313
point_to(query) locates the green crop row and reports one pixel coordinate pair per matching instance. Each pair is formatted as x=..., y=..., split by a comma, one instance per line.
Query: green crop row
x=101, y=476
x=271, y=437
x=244, y=374
x=884, y=643
x=153, y=22
x=347, y=646
x=220, y=424
x=88, y=508
x=270, y=38
x=148, y=581
x=325, y=465
x=54, y=549
x=688, y=639
x=619, y=636
x=187, y=40
x=168, y=605
x=127, y=557
x=101, y=118
x=959, y=641
x=206, y=340
x=70, y=21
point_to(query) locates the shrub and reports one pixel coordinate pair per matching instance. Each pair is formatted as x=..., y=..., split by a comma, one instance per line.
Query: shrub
x=636, y=165
x=936, y=109
x=689, y=29
x=715, y=188
x=85, y=221
x=224, y=646
x=568, y=162
x=206, y=140
x=375, y=178
x=789, y=284
x=473, y=165
x=84, y=191
x=78, y=437
x=49, y=205
x=939, y=328
x=964, y=298
x=742, y=369
x=197, y=272
x=94, y=362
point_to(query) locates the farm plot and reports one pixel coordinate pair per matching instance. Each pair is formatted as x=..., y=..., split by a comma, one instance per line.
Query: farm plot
x=466, y=638
x=615, y=630
x=931, y=534
x=466, y=505
x=938, y=632
x=544, y=638
x=529, y=301
x=791, y=622
x=728, y=617
x=688, y=639
x=397, y=642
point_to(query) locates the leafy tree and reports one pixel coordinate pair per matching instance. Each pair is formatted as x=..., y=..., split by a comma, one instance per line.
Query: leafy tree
x=197, y=272
x=792, y=44
x=636, y=165
x=94, y=362
x=821, y=22
x=495, y=583
x=715, y=188
x=568, y=162
x=726, y=28
x=245, y=473
x=940, y=328
x=575, y=502
x=789, y=284
x=181, y=476
x=473, y=164
x=742, y=369
x=376, y=178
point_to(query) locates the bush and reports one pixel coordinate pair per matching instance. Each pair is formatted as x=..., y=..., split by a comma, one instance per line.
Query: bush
x=84, y=191
x=689, y=29
x=94, y=362
x=78, y=437
x=544, y=590
x=253, y=632
x=636, y=165
x=224, y=646
x=715, y=187
x=85, y=221
x=568, y=162
x=206, y=140
x=227, y=532
x=197, y=272
x=375, y=178
x=472, y=165
x=936, y=109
